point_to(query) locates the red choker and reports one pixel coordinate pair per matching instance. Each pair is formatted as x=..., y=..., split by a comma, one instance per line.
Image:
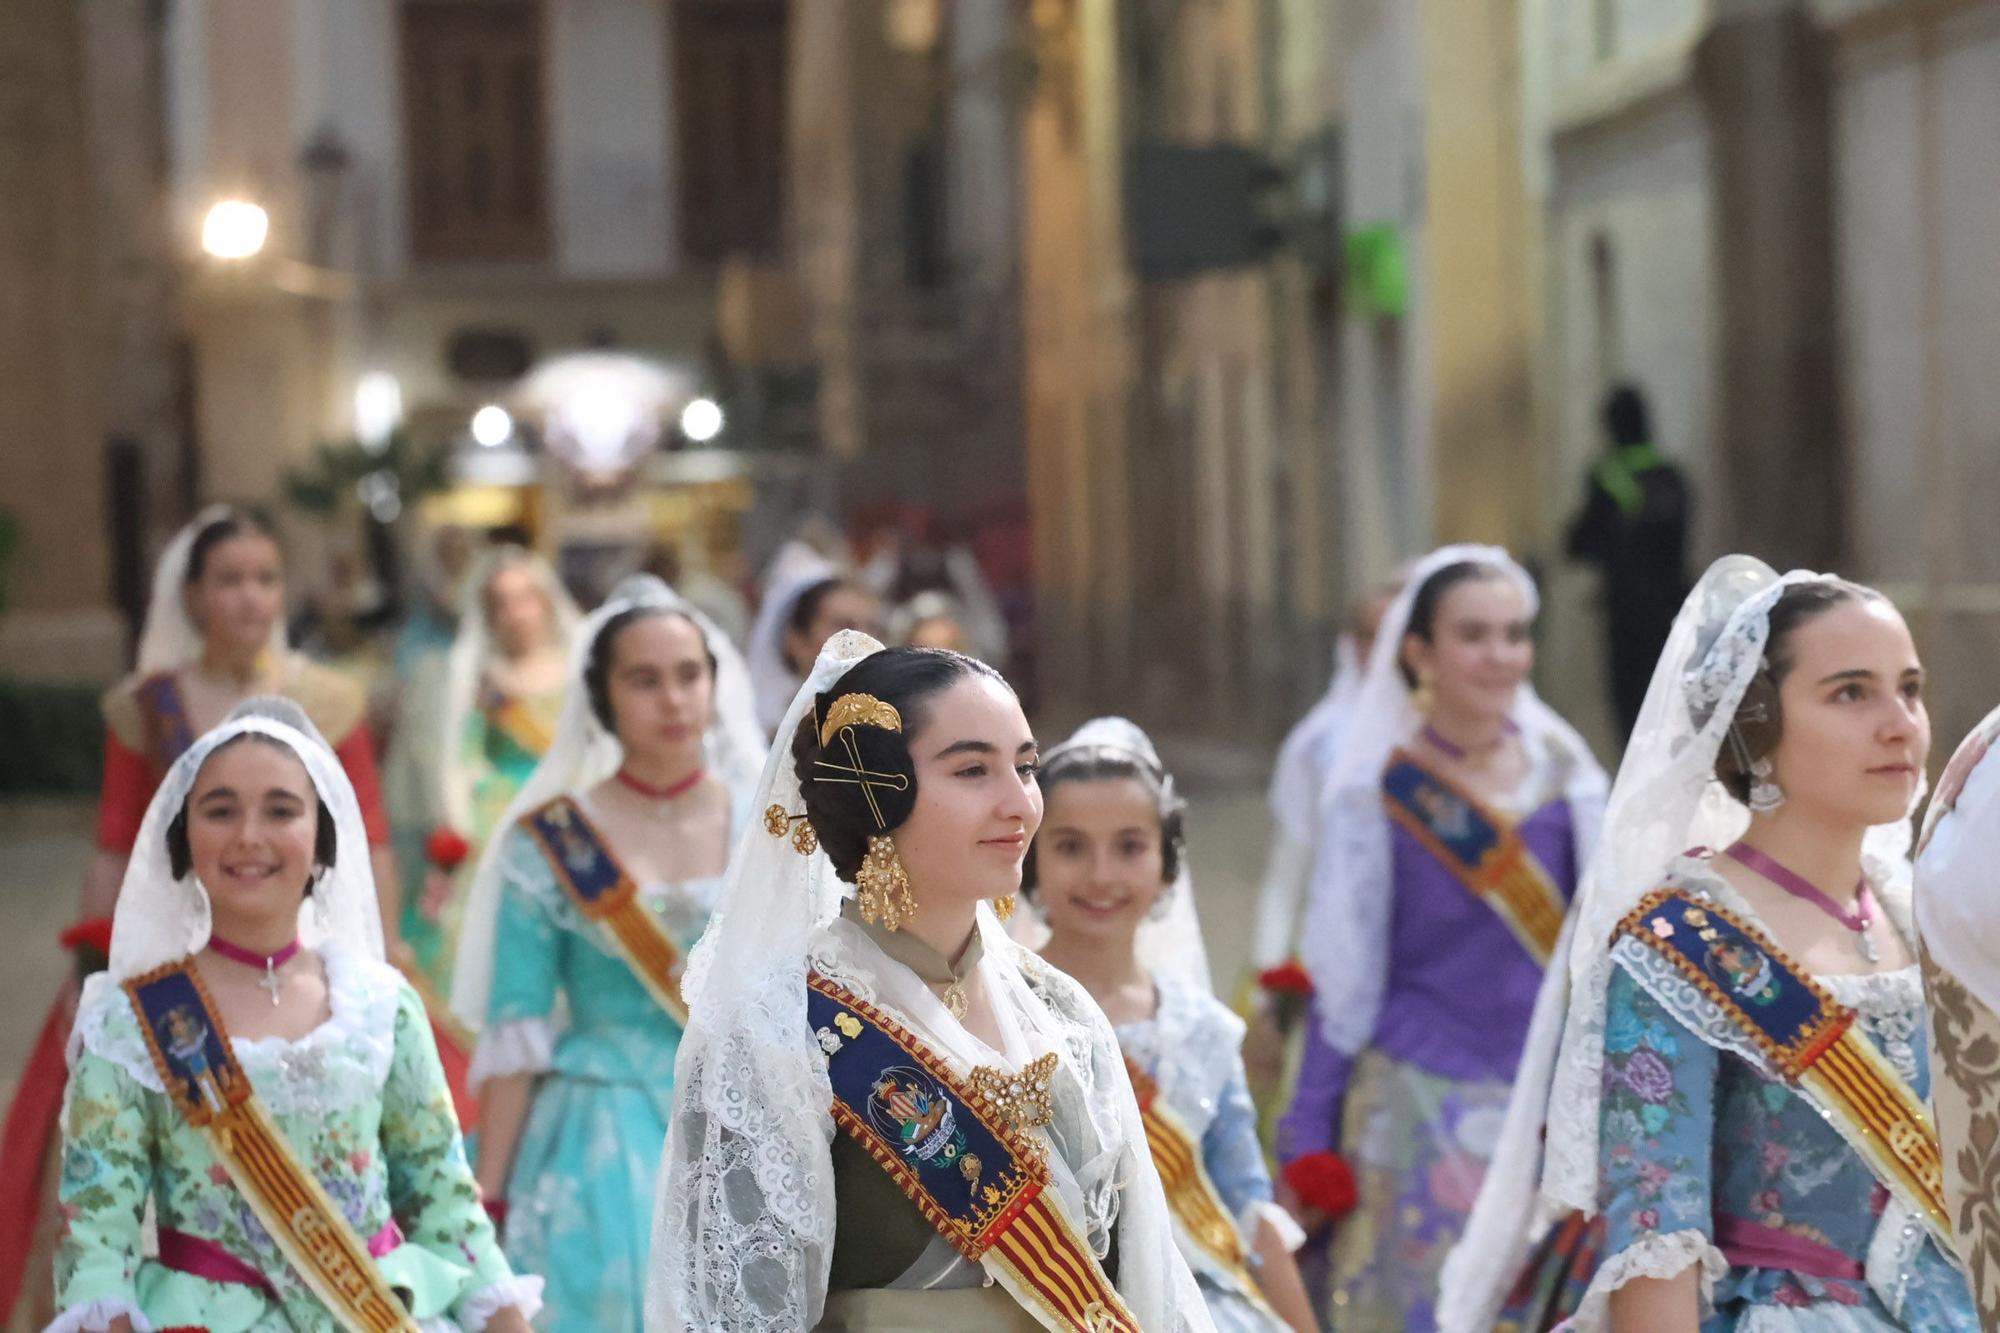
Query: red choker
x=667, y=793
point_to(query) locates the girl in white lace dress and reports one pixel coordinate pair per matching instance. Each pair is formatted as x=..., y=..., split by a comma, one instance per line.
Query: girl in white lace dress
x=1110, y=858
x=890, y=1115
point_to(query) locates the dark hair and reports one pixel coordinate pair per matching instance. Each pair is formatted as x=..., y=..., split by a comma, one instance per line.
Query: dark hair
x=1759, y=722
x=805, y=610
x=1103, y=763
x=840, y=813
x=1626, y=418
x=326, y=841
x=604, y=650
x=1430, y=596
x=236, y=523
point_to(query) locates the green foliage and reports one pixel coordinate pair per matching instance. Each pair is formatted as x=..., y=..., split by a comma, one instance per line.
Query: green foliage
x=53, y=737
x=326, y=486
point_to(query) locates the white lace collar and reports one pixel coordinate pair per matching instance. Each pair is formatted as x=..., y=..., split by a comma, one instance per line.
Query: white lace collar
x=339, y=1064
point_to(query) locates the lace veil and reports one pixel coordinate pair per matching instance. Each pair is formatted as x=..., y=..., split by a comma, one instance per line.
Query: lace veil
x=1348, y=907
x=584, y=754
x=160, y=918
x=745, y=1223
x=797, y=568
x=472, y=652
x=170, y=638
x=1665, y=801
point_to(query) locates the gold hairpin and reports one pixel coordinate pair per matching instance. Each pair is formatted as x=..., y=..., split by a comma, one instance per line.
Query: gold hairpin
x=805, y=839
x=866, y=778
x=858, y=710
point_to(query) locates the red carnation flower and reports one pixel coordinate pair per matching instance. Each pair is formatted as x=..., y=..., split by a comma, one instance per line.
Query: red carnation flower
x=1323, y=1180
x=92, y=933
x=1288, y=977
x=445, y=849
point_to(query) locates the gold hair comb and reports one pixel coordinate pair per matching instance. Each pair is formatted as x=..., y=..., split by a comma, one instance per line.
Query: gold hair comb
x=858, y=710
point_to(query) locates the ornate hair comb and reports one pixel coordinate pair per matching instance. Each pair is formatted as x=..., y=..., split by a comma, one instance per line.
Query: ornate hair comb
x=858, y=710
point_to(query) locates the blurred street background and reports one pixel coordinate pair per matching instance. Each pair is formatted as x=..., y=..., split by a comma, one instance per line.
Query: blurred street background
x=1177, y=323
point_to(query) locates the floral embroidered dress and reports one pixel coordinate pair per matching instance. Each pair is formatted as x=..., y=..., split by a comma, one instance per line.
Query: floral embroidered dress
x=580, y=1194
x=1705, y=1159
x=1192, y=1048
x=504, y=737
x=363, y=1103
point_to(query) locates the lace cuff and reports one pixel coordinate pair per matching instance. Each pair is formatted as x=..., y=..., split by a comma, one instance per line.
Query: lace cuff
x=96, y=1317
x=523, y=1290
x=1290, y=1234
x=519, y=1046
x=1655, y=1255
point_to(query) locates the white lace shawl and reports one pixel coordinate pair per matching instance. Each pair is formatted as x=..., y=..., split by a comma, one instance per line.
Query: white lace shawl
x=1347, y=910
x=341, y=1064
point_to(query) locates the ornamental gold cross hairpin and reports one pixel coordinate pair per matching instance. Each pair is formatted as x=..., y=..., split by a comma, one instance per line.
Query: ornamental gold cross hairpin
x=866, y=778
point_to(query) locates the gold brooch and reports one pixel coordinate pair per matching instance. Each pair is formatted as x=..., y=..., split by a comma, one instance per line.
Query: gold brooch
x=1020, y=1101
x=858, y=710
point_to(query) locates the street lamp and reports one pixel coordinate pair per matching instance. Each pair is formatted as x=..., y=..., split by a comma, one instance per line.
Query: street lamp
x=701, y=420
x=234, y=229
x=491, y=426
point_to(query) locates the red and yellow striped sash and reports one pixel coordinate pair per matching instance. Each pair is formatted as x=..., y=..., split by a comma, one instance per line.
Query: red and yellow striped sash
x=1199, y=1216
x=1482, y=850
x=594, y=880
x=1808, y=1039
x=973, y=1175
x=191, y=1049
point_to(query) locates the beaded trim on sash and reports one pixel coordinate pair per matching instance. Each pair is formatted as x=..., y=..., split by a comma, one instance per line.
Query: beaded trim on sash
x=1199, y=1215
x=1482, y=850
x=191, y=1049
x=975, y=1175
x=601, y=890
x=1737, y=974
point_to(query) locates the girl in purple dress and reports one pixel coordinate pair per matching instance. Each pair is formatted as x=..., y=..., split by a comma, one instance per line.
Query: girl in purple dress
x=1453, y=826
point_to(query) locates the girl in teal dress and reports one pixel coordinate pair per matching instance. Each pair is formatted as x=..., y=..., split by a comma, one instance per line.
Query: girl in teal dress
x=296, y=1000
x=502, y=694
x=622, y=835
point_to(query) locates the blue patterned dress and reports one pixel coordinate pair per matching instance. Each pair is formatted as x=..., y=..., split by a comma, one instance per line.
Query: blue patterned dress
x=1703, y=1158
x=567, y=1007
x=1192, y=1047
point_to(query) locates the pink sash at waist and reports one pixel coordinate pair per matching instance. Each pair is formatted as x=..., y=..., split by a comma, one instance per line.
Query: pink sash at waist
x=1748, y=1244
x=204, y=1258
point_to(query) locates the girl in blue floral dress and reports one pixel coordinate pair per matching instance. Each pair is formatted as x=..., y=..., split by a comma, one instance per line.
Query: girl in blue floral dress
x=578, y=923
x=1739, y=1090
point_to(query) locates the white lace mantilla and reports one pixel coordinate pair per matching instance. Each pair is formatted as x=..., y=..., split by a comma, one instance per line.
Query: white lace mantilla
x=340, y=1064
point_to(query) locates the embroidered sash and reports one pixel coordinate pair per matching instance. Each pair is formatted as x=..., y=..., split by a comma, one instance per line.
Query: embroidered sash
x=1482, y=851
x=190, y=1048
x=163, y=712
x=607, y=896
x=516, y=721
x=1805, y=1038
x=1200, y=1219
x=980, y=1183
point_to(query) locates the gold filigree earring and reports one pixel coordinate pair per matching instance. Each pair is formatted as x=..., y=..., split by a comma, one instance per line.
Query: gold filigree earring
x=1004, y=907
x=881, y=888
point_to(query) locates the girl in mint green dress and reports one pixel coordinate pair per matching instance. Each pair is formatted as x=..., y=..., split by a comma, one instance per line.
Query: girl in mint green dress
x=333, y=1043
x=634, y=805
